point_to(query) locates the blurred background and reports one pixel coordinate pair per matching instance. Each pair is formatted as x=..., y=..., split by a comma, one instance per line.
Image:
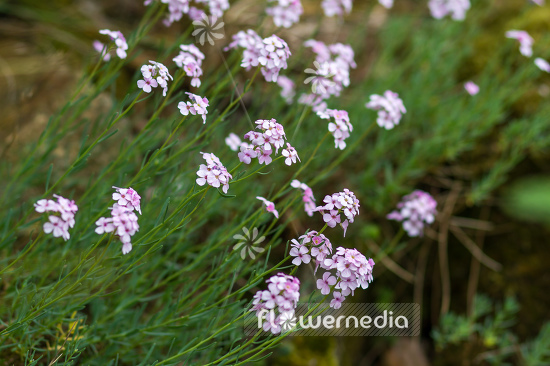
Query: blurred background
x=480, y=272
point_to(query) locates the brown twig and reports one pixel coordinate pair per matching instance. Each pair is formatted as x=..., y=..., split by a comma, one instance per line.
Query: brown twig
x=475, y=266
x=420, y=272
x=392, y=266
x=58, y=355
x=442, y=241
x=472, y=223
x=474, y=249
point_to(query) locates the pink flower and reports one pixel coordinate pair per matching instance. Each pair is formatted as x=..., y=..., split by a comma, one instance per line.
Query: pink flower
x=118, y=38
x=271, y=53
x=147, y=84
x=190, y=60
x=282, y=296
x=542, y=64
x=285, y=12
x=246, y=155
x=102, y=50
x=177, y=8
x=524, y=39
x=123, y=221
x=343, y=202
x=336, y=7
x=331, y=73
x=301, y=254
x=59, y=227
x=264, y=156
x=128, y=197
x=213, y=173
x=307, y=198
x=45, y=205
x=336, y=303
x=155, y=74
x=325, y=283
x=318, y=245
x=233, y=141
x=290, y=154
x=388, y=4
x=261, y=143
x=58, y=224
x=197, y=106
x=104, y=225
x=390, y=109
x=415, y=210
x=456, y=8
x=471, y=88
x=126, y=248
x=332, y=218
x=269, y=206
x=353, y=270
x=340, y=128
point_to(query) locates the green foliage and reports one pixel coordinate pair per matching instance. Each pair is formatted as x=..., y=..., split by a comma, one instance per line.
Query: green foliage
x=492, y=325
x=537, y=352
x=491, y=329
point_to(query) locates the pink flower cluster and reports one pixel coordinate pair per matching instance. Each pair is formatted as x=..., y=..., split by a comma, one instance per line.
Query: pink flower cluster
x=311, y=245
x=336, y=7
x=388, y=4
x=282, y=294
x=307, y=198
x=456, y=8
x=261, y=143
x=154, y=75
x=234, y=142
x=287, y=88
x=58, y=224
x=127, y=197
x=333, y=63
x=340, y=128
x=271, y=53
x=197, y=106
x=213, y=173
x=353, y=270
x=390, y=109
x=415, y=210
x=524, y=39
x=269, y=206
x=123, y=221
x=526, y=46
x=190, y=60
x=120, y=42
x=285, y=12
x=342, y=202
x=176, y=9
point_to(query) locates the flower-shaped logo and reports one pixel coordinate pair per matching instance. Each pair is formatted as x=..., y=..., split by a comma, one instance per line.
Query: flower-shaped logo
x=321, y=79
x=287, y=320
x=207, y=29
x=249, y=243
